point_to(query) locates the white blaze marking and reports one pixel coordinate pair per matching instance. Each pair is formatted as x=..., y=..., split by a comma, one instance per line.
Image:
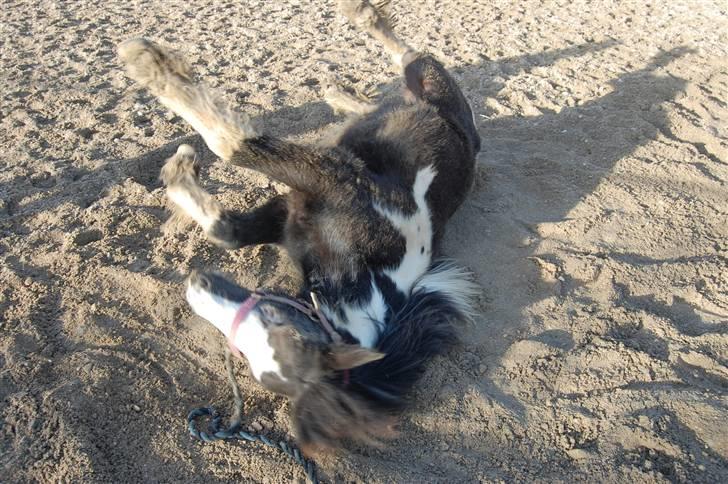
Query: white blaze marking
x=251, y=338
x=417, y=231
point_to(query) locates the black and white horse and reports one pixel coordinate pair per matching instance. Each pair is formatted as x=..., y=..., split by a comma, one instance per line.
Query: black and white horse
x=362, y=220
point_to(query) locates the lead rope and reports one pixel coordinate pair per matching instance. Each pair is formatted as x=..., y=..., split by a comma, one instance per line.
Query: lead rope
x=234, y=432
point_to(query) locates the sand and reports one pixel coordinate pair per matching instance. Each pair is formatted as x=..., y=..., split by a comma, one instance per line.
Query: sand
x=597, y=228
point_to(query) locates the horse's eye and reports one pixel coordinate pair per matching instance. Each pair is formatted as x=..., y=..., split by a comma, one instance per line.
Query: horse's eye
x=271, y=316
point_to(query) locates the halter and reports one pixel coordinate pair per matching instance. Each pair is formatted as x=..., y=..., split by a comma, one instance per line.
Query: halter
x=313, y=311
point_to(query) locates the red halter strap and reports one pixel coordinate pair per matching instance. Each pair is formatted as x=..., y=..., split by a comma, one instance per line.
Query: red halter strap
x=240, y=316
x=313, y=311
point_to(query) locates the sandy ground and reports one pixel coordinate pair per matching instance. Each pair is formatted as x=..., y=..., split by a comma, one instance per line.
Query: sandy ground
x=598, y=229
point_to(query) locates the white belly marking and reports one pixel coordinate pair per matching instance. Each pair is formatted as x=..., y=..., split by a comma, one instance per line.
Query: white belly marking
x=417, y=231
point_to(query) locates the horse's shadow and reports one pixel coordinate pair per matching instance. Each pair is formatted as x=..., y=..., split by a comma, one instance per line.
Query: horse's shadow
x=535, y=170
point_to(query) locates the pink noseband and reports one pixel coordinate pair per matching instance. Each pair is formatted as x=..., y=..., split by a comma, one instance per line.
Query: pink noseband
x=240, y=316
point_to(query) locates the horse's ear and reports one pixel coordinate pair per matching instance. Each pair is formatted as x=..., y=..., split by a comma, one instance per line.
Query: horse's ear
x=345, y=356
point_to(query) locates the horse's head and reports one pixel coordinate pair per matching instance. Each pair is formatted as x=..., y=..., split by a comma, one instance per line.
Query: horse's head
x=290, y=353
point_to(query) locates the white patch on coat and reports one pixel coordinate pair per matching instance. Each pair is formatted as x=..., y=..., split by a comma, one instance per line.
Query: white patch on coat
x=362, y=321
x=417, y=231
x=454, y=282
x=251, y=337
x=181, y=197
